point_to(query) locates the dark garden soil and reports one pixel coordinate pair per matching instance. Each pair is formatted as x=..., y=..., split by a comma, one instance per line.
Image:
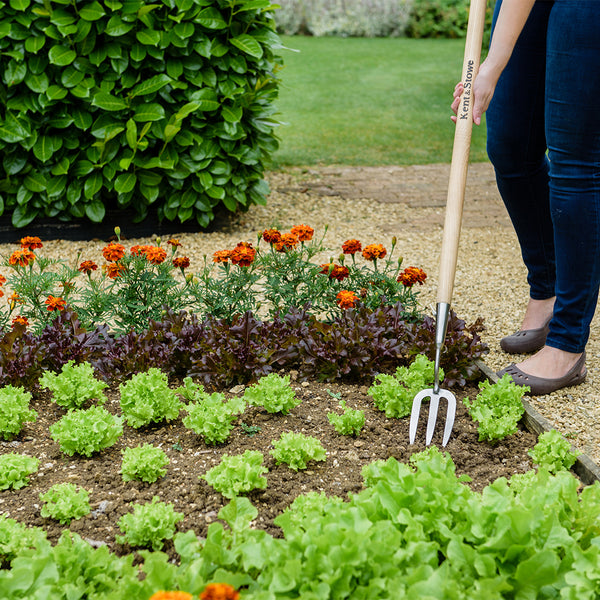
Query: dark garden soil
x=190, y=457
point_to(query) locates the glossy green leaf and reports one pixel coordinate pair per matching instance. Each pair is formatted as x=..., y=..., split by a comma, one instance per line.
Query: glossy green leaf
x=232, y=114
x=207, y=100
x=184, y=30
x=246, y=43
x=56, y=92
x=149, y=178
x=34, y=44
x=35, y=181
x=149, y=192
x=14, y=73
x=13, y=163
x=149, y=112
x=137, y=53
x=211, y=18
x=116, y=26
x=131, y=134
x=44, y=148
x=95, y=211
x=81, y=118
x=92, y=12
x=56, y=186
x=151, y=86
x=148, y=37
x=24, y=195
x=37, y=83
x=70, y=77
x=61, y=167
x=19, y=4
x=61, y=55
x=82, y=167
x=92, y=185
x=108, y=102
x=125, y=182
x=23, y=215
x=12, y=130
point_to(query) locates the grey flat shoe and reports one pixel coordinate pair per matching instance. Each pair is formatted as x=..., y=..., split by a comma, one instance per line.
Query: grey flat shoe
x=540, y=385
x=525, y=340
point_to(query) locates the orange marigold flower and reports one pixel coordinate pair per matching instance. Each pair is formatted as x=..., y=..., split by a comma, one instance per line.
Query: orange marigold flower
x=219, y=591
x=288, y=241
x=113, y=270
x=335, y=271
x=113, y=252
x=412, y=275
x=87, y=266
x=221, y=256
x=303, y=232
x=31, y=242
x=243, y=254
x=21, y=257
x=346, y=299
x=13, y=299
x=174, y=242
x=182, y=262
x=19, y=320
x=271, y=236
x=2, y=280
x=155, y=254
x=351, y=247
x=374, y=251
x=55, y=303
x=140, y=250
x=1, y=293
x=171, y=596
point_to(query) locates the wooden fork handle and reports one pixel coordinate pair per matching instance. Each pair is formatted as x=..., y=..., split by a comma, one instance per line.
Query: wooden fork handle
x=460, y=153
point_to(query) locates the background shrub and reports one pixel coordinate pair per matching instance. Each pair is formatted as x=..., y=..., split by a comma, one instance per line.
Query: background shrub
x=378, y=18
x=130, y=104
x=359, y=18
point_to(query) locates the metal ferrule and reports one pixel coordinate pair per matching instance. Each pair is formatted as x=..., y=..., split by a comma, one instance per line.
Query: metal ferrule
x=441, y=324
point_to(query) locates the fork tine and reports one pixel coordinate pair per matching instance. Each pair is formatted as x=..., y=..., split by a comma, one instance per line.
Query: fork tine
x=415, y=413
x=450, y=414
x=432, y=419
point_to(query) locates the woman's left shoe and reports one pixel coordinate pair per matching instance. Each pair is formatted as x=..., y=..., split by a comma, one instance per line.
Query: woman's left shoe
x=541, y=385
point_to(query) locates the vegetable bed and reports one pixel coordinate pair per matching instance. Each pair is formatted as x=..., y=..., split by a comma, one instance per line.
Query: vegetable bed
x=190, y=457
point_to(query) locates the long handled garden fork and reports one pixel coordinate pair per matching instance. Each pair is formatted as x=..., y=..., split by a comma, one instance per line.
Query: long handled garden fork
x=454, y=207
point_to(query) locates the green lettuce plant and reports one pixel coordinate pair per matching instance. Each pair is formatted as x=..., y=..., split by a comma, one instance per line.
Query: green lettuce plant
x=145, y=462
x=63, y=503
x=296, y=450
x=16, y=537
x=394, y=394
x=74, y=385
x=15, y=470
x=149, y=524
x=497, y=408
x=237, y=474
x=212, y=416
x=273, y=393
x=350, y=422
x=14, y=410
x=146, y=398
x=87, y=431
x=553, y=452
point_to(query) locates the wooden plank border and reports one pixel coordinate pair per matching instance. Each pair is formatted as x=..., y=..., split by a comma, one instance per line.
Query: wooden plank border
x=587, y=470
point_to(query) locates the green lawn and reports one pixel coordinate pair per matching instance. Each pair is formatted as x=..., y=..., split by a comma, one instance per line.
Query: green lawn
x=361, y=101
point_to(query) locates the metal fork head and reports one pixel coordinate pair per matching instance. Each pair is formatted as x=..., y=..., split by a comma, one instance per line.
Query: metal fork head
x=433, y=412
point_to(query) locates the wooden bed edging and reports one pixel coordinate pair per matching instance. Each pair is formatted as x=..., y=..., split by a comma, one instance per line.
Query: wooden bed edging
x=586, y=469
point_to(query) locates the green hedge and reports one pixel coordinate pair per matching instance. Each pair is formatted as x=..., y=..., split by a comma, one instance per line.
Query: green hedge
x=130, y=103
x=444, y=19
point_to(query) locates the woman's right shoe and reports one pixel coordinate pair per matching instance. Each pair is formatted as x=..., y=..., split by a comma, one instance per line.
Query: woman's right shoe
x=525, y=340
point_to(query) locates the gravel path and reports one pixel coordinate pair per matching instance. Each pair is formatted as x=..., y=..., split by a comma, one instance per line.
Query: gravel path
x=408, y=202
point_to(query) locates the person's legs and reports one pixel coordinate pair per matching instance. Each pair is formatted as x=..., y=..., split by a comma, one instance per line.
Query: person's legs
x=573, y=134
x=517, y=150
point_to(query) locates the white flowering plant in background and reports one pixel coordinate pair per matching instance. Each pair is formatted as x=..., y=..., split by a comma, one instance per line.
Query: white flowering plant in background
x=346, y=18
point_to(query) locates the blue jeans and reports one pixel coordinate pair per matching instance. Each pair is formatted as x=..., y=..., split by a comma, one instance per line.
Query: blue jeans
x=548, y=99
